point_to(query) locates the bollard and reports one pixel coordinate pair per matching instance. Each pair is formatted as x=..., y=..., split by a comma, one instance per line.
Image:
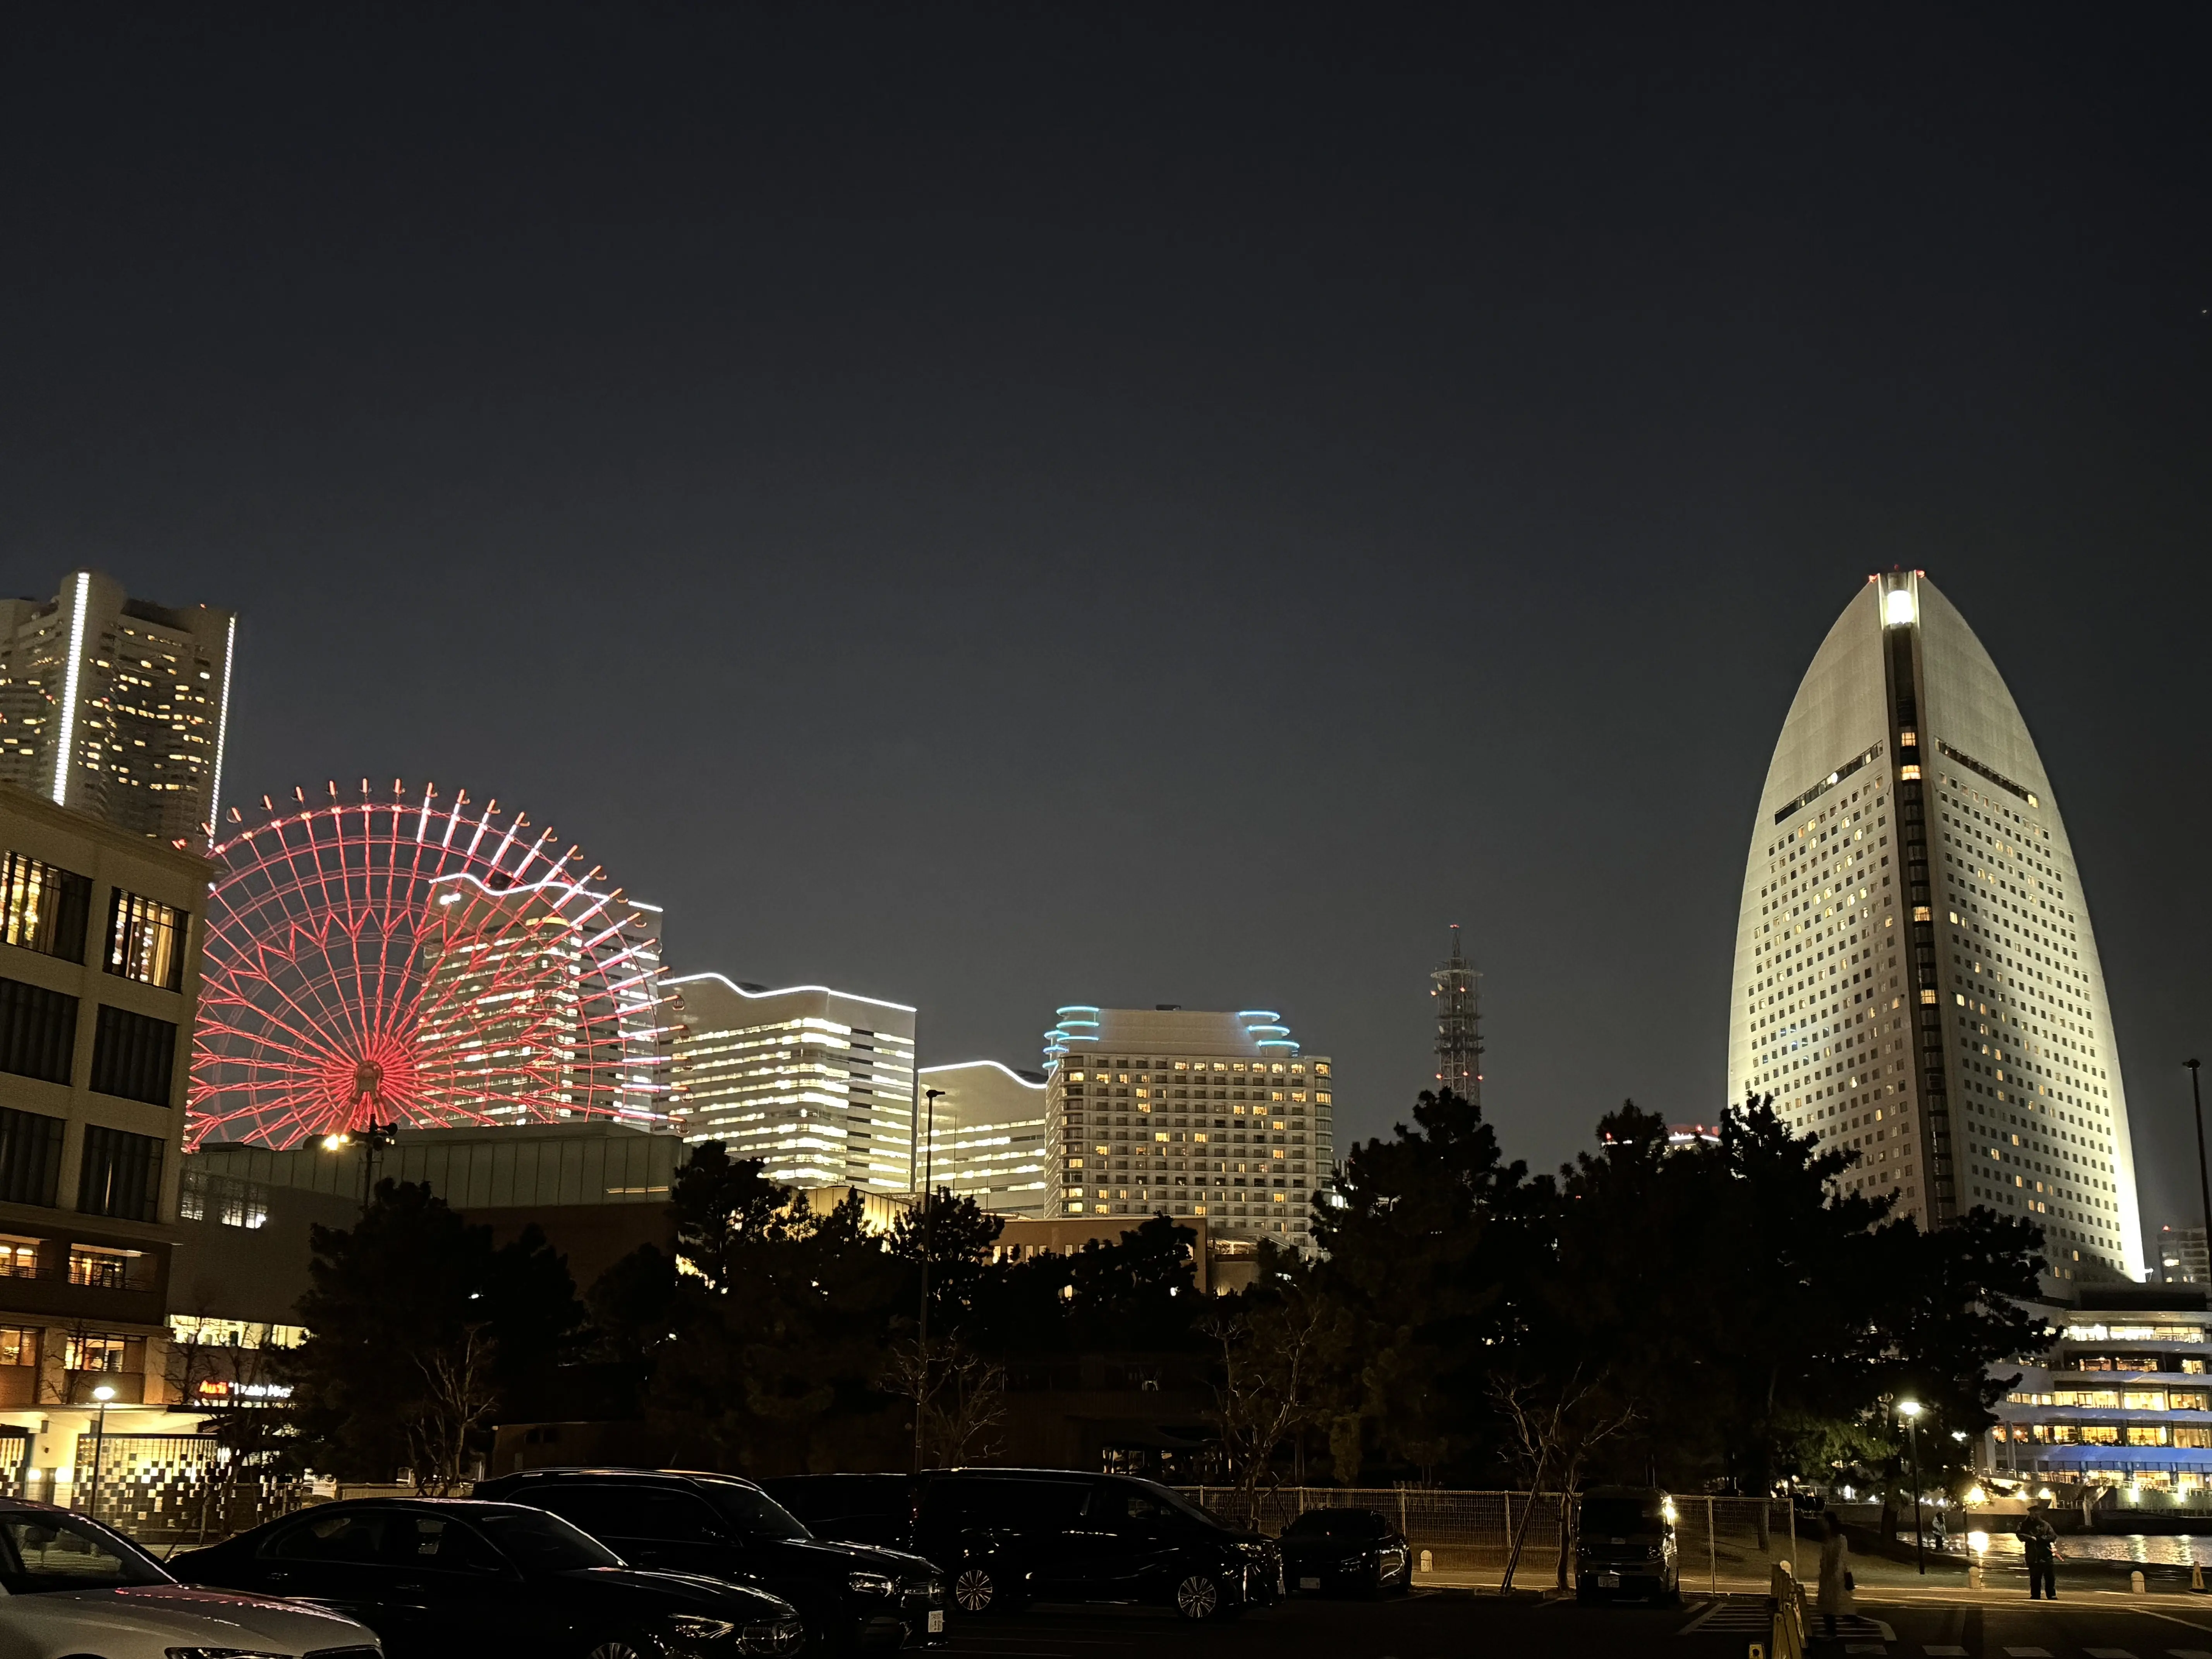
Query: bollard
x=1428, y=1561
x=2196, y=1575
x=2136, y=1583
x=1974, y=1576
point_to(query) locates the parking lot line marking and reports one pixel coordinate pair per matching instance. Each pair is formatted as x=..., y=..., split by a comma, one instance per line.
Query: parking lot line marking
x=2027, y=1653
x=1943, y=1653
x=1864, y=1647
x=1710, y=1609
x=2108, y=1653
x=2188, y=1653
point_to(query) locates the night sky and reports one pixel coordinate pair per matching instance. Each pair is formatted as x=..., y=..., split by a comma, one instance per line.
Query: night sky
x=1001, y=506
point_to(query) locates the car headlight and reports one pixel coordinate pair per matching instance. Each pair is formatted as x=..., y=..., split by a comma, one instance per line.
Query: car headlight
x=785, y=1635
x=872, y=1584
x=698, y=1627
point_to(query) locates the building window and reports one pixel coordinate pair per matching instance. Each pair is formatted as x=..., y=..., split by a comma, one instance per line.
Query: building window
x=121, y=1175
x=146, y=940
x=90, y=1351
x=18, y=1346
x=30, y=1157
x=98, y=1267
x=37, y=1032
x=42, y=907
x=133, y=1056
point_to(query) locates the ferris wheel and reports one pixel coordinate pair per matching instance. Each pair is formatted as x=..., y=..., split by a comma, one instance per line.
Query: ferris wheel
x=421, y=961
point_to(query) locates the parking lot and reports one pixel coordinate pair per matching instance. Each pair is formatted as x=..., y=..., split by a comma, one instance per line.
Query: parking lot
x=1444, y=1625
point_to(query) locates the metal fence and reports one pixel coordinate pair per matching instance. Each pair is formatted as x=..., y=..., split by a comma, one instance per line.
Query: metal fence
x=1466, y=1537
x=175, y=1489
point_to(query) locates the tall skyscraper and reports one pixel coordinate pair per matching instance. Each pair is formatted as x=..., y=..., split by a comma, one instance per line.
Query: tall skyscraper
x=985, y=1137
x=1916, y=976
x=1168, y=1112
x=817, y=1084
x=116, y=706
x=1457, y=989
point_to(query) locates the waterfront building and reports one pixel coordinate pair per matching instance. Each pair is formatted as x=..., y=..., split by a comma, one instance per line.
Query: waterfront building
x=817, y=1084
x=1173, y=1112
x=116, y=706
x=98, y=986
x=2122, y=1399
x=1916, y=977
x=985, y=1135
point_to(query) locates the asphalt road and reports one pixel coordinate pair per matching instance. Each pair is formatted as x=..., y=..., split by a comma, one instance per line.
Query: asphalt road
x=1443, y=1625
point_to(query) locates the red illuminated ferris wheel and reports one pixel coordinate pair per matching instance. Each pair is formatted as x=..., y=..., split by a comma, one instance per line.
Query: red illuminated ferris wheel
x=414, y=960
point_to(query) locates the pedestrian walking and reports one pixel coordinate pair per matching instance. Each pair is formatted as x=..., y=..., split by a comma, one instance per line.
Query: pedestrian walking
x=2040, y=1540
x=1835, y=1582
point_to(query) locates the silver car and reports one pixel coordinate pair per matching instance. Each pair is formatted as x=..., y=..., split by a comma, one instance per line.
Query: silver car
x=75, y=1588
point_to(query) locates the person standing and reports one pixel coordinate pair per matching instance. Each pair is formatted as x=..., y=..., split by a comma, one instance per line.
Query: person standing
x=1835, y=1595
x=2040, y=1540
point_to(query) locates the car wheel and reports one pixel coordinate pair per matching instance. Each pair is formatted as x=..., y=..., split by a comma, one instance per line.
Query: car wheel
x=975, y=1590
x=1197, y=1596
x=617, y=1647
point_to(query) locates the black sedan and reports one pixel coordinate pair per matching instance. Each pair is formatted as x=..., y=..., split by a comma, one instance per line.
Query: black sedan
x=435, y=1577
x=1345, y=1549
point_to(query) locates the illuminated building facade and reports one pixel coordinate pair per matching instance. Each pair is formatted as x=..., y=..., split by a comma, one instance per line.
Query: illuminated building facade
x=1170, y=1112
x=1916, y=977
x=2122, y=1399
x=817, y=1084
x=116, y=706
x=986, y=1135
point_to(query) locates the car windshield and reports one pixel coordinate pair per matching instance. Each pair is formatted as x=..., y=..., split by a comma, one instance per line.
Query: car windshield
x=40, y=1551
x=538, y=1542
x=1181, y=1505
x=755, y=1513
x=1618, y=1517
x=1335, y=1523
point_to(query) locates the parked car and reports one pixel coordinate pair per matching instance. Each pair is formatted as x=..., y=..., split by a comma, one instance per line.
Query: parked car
x=1625, y=1545
x=75, y=1588
x=441, y=1577
x=857, y=1509
x=854, y=1597
x=1009, y=1536
x=1346, y=1549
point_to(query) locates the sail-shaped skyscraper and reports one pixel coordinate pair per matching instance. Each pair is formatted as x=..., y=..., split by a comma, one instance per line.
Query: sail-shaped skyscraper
x=1916, y=977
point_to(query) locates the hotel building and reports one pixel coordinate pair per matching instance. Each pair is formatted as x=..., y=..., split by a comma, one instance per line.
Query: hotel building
x=1916, y=978
x=985, y=1135
x=116, y=706
x=1163, y=1111
x=817, y=1084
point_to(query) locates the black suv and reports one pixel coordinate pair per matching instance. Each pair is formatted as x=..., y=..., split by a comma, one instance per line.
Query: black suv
x=1007, y=1536
x=853, y=1597
x=1625, y=1545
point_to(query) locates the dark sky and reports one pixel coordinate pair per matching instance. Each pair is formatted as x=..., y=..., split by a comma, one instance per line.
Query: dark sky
x=997, y=506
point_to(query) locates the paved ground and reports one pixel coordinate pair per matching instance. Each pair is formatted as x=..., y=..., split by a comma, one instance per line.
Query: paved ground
x=1444, y=1625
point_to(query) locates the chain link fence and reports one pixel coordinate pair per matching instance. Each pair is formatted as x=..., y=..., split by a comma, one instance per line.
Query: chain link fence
x=1465, y=1538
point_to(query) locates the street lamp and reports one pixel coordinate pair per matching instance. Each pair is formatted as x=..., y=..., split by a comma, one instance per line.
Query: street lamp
x=2203, y=1182
x=929, y=1213
x=103, y=1394
x=374, y=1138
x=1910, y=1411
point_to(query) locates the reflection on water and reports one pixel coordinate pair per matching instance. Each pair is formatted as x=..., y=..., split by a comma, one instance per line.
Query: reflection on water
x=2151, y=1549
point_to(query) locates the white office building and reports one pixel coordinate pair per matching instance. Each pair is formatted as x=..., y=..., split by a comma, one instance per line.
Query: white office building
x=1171, y=1112
x=817, y=1084
x=1916, y=977
x=985, y=1135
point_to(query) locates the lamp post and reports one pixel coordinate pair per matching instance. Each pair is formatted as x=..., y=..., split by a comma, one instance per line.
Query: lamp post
x=2203, y=1183
x=929, y=1213
x=103, y=1394
x=374, y=1137
x=1910, y=1411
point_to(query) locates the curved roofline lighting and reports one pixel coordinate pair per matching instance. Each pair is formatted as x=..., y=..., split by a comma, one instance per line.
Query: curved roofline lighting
x=1079, y=1008
x=1257, y=1013
x=970, y=1064
x=786, y=990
